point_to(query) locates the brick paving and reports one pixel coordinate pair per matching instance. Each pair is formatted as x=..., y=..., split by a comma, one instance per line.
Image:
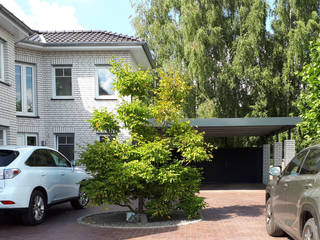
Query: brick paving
x=230, y=215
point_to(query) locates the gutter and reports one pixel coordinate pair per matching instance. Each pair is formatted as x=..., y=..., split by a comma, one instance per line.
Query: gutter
x=82, y=46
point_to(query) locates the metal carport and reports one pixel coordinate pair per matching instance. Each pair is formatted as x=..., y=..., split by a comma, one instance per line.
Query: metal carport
x=246, y=165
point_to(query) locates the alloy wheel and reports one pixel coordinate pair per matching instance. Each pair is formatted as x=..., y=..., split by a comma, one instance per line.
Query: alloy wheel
x=38, y=208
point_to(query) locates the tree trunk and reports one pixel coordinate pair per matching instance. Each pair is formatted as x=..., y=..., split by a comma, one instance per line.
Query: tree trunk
x=140, y=204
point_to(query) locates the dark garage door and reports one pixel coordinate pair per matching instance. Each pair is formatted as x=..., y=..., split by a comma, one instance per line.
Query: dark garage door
x=242, y=165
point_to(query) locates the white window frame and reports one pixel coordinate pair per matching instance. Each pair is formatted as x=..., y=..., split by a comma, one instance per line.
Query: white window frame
x=24, y=111
x=56, y=142
x=4, y=135
x=2, y=62
x=54, y=91
x=111, y=97
x=26, y=135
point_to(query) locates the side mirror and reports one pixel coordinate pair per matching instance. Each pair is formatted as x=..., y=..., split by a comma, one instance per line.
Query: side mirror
x=73, y=163
x=275, y=171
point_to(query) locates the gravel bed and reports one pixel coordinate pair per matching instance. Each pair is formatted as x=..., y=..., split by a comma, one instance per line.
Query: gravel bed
x=118, y=220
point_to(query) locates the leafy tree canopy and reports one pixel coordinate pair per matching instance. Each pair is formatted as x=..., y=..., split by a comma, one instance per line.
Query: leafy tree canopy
x=309, y=100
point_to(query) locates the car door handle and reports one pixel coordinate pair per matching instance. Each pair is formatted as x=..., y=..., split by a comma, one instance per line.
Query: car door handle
x=307, y=186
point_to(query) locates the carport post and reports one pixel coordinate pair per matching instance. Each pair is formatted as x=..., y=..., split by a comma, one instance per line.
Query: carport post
x=266, y=163
x=277, y=154
x=289, y=151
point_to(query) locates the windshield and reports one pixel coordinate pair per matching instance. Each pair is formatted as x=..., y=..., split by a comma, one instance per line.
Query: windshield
x=7, y=157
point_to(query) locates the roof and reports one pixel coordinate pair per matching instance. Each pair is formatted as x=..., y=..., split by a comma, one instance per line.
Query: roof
x=228, y=127
x=91, y=36
x=14, y=19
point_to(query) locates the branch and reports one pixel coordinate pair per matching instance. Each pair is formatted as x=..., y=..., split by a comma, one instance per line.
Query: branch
x=126, y=205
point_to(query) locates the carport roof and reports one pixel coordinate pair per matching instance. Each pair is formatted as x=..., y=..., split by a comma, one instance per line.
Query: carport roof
x=229, y=127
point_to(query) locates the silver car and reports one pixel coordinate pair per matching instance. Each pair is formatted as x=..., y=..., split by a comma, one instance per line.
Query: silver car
x=293, y=197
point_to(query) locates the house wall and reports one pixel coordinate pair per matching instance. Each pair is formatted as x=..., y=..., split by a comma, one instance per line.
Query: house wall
x=67, y=116
x=7, y=89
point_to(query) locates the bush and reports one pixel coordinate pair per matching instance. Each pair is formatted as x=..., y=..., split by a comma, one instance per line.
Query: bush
x=154, y=165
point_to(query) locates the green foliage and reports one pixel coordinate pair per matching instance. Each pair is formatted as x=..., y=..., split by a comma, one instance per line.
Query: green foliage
x=104, y=121
x=155, y=165
x=135, y=83
x=309, y=100
x=239, y=66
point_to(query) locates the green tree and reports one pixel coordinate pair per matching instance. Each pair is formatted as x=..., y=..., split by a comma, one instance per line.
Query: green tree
x=238, y=66
x=155, y=165
x=309, y=100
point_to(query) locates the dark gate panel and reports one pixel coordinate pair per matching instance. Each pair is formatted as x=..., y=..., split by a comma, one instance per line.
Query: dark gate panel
x=242, y=165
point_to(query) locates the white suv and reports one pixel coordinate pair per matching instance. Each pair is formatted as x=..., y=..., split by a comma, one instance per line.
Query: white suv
x=34, y=178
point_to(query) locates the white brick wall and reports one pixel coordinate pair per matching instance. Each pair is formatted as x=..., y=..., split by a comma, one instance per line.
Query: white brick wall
x=67, y=116
x=8, y=92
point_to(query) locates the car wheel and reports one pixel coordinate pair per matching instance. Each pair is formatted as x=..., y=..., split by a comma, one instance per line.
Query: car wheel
x=81, y=202
x=36, y=212
x=272, y=229
x=310, y=230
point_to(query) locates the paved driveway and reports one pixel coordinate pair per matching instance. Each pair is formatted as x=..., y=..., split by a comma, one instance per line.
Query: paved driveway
x=231, y=215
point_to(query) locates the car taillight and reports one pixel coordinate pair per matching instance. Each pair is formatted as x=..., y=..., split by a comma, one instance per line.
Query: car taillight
x=7, y=202
x=10, y=173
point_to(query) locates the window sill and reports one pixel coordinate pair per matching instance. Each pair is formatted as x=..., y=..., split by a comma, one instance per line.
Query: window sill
x=71, y=98
x=27, y=116
x=5, y=83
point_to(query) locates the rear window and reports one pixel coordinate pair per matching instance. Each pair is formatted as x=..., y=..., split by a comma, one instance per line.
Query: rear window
x=7, y=157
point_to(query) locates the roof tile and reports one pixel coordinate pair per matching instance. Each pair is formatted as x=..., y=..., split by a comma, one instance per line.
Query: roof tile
x=81, y=37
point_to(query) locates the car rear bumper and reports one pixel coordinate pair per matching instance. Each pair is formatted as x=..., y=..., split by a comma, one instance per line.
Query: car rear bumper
x=20, y=197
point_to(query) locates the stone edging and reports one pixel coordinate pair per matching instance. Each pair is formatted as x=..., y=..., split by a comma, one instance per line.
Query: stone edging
x=125, y=225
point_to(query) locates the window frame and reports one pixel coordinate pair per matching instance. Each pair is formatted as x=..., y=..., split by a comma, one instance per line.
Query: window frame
x=2, y=79
x=5, y=141
x=56, y=143
x=25, y=138
x=105, y=97
x=24, y=110
x=54, y=89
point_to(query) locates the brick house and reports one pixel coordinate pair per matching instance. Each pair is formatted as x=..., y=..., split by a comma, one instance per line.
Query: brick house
x=50, y=82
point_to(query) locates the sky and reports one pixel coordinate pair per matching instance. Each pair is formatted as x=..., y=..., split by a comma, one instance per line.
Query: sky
x=50, y=15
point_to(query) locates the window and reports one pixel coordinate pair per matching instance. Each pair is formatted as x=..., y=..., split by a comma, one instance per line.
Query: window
x=104, y=83
x=40, y=158
x=65, y=145
x=27, y=139
x=7, y=157
x=104, y=138
x=312, y=163
x=293, y=167
x=25, y=89
x=62, y=82
x=1, y=62
x=59, y=160
x=3, y=136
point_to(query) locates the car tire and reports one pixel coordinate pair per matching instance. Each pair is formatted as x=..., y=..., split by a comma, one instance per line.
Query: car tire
x=36, y=212
x=310, y=230
x=272, y=228
x=81, y=202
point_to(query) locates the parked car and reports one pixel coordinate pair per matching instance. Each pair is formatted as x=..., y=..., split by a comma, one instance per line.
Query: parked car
x=293, y=197
x=35, y=178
